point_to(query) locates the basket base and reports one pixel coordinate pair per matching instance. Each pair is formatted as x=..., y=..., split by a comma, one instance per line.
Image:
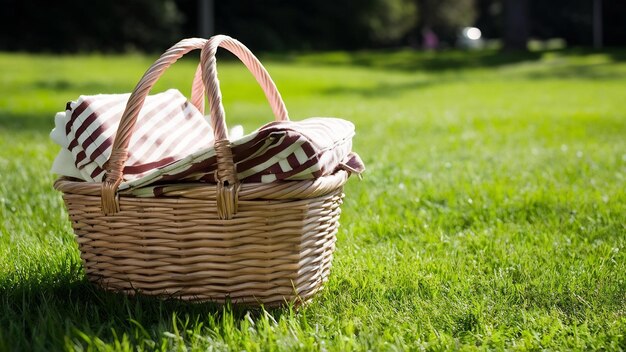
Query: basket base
x=271, y=252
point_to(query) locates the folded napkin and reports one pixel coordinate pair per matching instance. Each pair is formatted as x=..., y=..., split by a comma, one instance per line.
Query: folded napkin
x=173, y=142
x=286, y=150
x=168, y=128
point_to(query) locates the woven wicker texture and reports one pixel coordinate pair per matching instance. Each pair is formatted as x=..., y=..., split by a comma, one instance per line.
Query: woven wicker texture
x=246, y=243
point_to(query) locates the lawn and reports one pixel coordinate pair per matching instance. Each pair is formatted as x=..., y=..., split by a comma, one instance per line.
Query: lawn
x=492, y=214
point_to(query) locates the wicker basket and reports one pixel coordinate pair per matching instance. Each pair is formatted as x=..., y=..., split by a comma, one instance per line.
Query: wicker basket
x=252, y=243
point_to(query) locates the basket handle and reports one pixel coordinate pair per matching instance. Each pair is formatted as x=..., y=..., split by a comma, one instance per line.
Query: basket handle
x=226, y=174
x=119, y=154
x=207, y=57
x=198, y=90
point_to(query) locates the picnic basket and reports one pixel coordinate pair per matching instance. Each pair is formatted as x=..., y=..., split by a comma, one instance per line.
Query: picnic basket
x=249, y=243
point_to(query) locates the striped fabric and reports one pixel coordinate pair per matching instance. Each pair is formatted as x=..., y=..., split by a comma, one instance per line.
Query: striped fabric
x=277, y=151
x=168, y=128
x=173, y=142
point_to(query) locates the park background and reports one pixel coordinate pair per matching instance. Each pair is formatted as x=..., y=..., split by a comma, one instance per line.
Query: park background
x=492, y=214
x=280, y=26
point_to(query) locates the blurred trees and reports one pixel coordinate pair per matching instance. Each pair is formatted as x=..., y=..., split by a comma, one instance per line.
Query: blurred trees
x=445, y=17
x=152, y=25
x=388, y=21
x=310, y=24
x=570, y=20
x=573, y=21
x=516, y=23
x=95, y=25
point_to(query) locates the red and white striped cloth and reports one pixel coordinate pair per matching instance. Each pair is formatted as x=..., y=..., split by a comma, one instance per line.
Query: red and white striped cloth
x=168, y=128
x=174, y=142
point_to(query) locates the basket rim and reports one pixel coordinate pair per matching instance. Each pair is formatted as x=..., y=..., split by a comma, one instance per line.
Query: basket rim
x=277, y=190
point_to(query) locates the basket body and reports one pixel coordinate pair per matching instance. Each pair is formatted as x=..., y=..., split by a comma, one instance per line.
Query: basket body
x=251, y=243
x=270, y=252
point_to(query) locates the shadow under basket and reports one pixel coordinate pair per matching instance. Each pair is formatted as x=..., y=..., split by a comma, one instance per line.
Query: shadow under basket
x=277, y=248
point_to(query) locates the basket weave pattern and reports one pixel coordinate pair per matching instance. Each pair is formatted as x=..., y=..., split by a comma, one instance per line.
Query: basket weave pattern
x=247, y=243
x=272, y=251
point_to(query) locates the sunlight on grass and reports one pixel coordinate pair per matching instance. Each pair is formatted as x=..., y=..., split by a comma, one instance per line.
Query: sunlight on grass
x=492, y=214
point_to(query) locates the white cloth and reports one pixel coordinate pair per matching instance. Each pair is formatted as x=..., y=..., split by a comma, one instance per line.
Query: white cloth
x=63, y=164
x=86, y=131
x=173, y=142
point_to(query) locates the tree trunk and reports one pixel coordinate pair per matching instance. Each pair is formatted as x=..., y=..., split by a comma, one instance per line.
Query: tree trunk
x=206, y=18
x=597, y=24
x=515, y=25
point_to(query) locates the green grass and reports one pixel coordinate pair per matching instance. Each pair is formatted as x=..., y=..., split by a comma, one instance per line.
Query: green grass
x=492, y=214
